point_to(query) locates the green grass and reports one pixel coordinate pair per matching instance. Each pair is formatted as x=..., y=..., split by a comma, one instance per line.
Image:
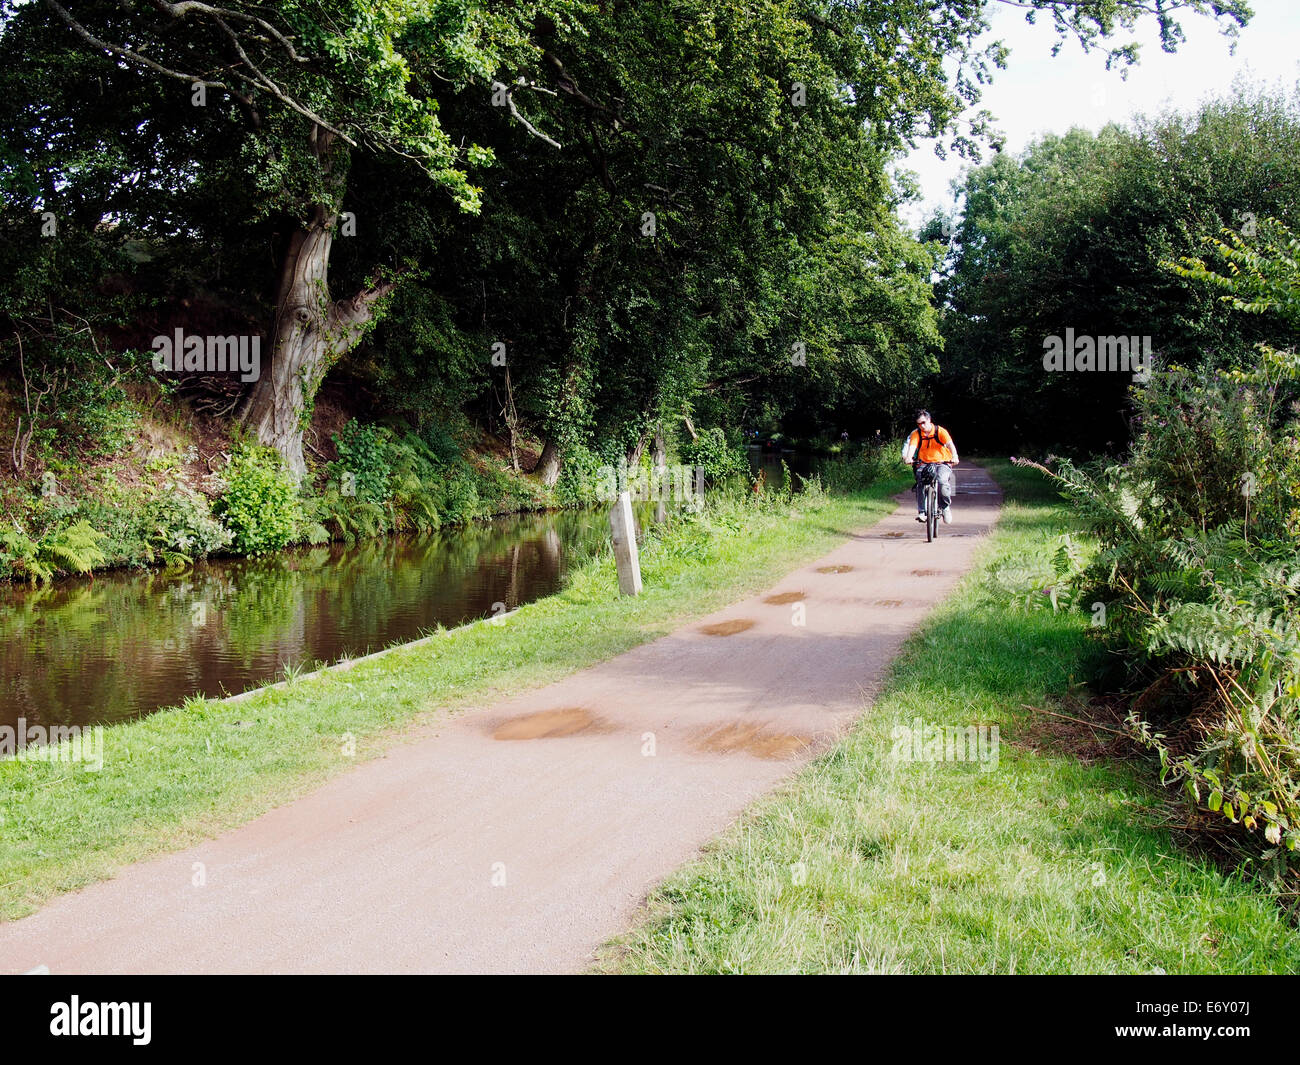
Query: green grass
x=1044, y=864
x=182, y=775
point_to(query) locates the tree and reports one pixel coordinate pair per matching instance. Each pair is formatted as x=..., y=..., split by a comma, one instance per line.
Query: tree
x=1258, y=274
x=309, y=86
x=755, y=134
x=706, y=221
x=1072, y=236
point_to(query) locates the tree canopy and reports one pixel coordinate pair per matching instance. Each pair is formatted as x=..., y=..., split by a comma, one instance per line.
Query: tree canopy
x=1077, y=234
x=654, y=212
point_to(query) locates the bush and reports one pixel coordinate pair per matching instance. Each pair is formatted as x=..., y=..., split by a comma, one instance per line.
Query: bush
x=1218, y=447
x=855, y=473
x=73, y=549
x=580, y=477
x=102, y=420
x=719, y=457
x=179, y=524
x=260, y=506
x=363, y=467
x=413, y=493
x=438, y=439
x=400, y=484
x=1197, y=578
x=457, y=498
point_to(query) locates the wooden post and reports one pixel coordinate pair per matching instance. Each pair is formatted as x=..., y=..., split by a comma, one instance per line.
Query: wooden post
x=624, y=532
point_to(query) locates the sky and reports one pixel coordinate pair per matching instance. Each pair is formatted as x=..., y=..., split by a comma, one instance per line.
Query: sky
x=1039, y=93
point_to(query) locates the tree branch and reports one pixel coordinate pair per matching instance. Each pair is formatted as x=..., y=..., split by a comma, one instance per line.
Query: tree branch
x=259, y=80
x=514, y=110
x=126, y=53
x=182, y=9
x=348, y=318
x=570, y=87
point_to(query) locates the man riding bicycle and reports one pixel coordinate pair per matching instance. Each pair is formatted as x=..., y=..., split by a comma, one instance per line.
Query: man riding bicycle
x=929, y=449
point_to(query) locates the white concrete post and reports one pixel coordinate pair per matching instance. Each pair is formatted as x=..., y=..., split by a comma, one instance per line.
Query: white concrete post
x=623, y=528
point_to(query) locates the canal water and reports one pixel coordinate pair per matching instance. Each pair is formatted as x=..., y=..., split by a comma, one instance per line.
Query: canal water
x=771, y=465
x=128, y=642
x=106, y=650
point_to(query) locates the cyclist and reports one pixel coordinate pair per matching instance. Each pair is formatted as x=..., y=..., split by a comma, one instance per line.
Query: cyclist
x=930, y=446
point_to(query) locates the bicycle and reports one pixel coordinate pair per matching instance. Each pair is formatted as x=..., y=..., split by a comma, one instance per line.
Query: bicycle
x=930, y=500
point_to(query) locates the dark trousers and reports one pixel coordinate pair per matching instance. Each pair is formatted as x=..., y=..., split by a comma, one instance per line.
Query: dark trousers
x=943, y=472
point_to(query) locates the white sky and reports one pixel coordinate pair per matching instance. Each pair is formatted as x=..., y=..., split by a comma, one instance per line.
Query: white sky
x=1039, y=93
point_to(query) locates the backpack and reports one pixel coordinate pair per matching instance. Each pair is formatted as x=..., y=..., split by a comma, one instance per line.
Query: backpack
x=922, y=438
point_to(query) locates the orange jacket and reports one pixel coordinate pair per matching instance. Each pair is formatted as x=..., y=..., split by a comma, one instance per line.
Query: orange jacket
x=936, y=447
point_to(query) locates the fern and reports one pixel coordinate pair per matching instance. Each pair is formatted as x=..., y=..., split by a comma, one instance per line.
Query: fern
x=1210, y=607
x=316, y=534
x=22, y=555
x=73, y=549
x=175, y=559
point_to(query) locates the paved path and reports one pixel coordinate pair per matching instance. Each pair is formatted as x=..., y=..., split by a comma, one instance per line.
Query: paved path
x=519, y=837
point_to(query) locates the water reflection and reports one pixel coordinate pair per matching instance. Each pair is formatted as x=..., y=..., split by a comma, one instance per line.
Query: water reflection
x=102, y=651
x=769, y=464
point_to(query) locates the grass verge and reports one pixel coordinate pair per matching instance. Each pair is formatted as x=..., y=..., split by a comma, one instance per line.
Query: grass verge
x=186, y=774
x=1038, y=862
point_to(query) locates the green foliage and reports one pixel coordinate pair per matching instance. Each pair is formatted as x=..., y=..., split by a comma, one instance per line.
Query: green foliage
x=701, y=532
x=179, y=525
x=94, y=412
x=352, y=518
x=1219, y=447
x=442, y=445
x=720, y=457
x=18, y=555
x=1197, y=579
x=73, y=549
x=260, y=505
x=854, y=473
x=413, y=499
x=503, y=491
x=363, y=462
x=1196, y=584
x=775, y=221
x=424, y=490
x=580, y=477
x=456, y=496
x=1259, y=273
x=1080, y=232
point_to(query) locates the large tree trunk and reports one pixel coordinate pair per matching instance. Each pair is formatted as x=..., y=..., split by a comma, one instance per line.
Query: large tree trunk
x=634, y=454
x=659, y=449
x=310, y=331
x=654, y=437
x=549, y=463
x=273, y=409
